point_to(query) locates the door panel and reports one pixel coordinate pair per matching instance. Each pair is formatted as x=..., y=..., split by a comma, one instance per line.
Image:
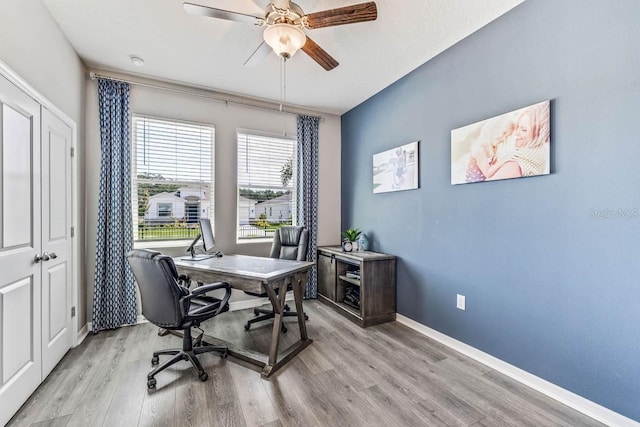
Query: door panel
x=17, y=312
x=327, y=276
x=57, y=322
x=17, y=179
x=20, y=241
x=57, y=149
x=56, y=240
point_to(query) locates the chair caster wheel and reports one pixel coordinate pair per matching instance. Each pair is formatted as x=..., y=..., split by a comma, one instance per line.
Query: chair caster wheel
x=247, y=327
x=287, y=308
x=256, y=312
x=224, y=354
x=151, y=383
x=155, y=360
x=204, y=377
x=284, y=329
x=306, y=317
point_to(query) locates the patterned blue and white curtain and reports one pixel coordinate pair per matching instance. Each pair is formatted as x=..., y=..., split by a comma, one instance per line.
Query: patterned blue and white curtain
x=307, y=191
x=114, y=295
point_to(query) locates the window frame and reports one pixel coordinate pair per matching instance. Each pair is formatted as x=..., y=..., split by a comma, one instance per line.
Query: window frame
x=166, y=243
x=294, y=181
x=165, y=210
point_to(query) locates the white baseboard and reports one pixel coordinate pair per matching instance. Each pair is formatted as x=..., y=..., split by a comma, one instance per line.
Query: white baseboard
x=572, y=400
x=82, y=333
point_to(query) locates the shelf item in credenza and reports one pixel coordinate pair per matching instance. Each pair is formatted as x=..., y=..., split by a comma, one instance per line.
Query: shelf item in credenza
x=352, y=296
x=359, y=285
x=353, y=274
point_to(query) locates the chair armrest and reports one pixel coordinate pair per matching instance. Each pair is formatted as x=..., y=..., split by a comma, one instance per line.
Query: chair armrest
x=184, y=280
x=211, y=287
x=203, y=290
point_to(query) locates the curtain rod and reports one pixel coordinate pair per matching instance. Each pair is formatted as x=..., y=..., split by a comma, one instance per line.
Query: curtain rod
x=281, y=109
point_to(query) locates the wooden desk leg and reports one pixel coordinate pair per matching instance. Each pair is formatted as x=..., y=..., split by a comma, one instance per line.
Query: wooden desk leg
x=298, y=285
x=277, y=301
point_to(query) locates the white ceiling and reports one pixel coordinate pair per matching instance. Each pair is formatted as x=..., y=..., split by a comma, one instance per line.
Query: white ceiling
x=210, y=53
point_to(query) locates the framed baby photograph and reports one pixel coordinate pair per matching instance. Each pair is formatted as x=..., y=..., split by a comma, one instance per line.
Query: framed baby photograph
x=511, y=145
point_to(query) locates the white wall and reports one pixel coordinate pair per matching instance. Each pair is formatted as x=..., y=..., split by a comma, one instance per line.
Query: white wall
x=34, y=47
x=226, y=119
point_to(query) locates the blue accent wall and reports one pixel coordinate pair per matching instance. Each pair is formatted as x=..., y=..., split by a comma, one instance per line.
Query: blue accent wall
x=549, y=265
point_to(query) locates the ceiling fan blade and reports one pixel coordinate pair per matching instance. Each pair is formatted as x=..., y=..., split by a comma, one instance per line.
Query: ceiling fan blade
x=258, y=55
x=196, y=9
x=344, y=15
x=319, y=55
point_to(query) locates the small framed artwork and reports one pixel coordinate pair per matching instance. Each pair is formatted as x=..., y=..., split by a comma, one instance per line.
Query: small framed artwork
x=512, y=145
x=396, y=169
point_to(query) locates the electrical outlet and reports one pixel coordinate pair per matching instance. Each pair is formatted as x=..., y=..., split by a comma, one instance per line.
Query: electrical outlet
x=461, y=302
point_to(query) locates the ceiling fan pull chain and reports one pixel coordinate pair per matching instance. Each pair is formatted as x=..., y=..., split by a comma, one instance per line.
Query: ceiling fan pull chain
x=284, y=91
x=284, y=82
x=281, y=82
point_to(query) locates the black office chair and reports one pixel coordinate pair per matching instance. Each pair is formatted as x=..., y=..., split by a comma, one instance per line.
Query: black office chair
x=289, y=242
x=169, y=305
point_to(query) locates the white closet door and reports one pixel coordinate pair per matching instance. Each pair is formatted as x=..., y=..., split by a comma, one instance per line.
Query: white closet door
x=20, y=234
x=56, y=240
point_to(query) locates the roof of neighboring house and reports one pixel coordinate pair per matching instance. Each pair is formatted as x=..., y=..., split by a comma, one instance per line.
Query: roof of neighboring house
x=166, y=196
x=285, y=198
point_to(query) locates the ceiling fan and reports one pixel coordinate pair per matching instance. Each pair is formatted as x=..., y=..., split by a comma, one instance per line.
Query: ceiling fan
x=285, y=23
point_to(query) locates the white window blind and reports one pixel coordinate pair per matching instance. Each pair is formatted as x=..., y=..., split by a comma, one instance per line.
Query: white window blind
x=266, y=184
x=172, y=178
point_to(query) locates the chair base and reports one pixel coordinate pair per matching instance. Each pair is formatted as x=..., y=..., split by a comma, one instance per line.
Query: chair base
x=187, y=352
x=270, y=314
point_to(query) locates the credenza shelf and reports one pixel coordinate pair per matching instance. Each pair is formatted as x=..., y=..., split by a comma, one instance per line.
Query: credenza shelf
x=355, y=282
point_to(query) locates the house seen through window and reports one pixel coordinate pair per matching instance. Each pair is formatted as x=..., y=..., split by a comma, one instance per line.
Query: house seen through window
x=266, y=184
x=172, y=178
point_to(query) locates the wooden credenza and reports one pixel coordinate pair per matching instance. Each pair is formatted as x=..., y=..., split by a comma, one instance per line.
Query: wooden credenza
x=338, y=284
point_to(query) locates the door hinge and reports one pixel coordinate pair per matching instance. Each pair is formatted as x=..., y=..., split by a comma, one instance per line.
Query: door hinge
x=73, y=311
x=73, y=152
x=73, y=231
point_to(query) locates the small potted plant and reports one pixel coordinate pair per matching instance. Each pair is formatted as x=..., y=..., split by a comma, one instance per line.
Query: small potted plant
x=350, y=239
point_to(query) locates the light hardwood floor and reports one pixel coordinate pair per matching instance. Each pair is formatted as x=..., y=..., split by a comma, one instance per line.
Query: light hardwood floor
x=387, y=375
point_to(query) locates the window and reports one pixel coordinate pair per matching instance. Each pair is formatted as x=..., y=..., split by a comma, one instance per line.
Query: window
x=164, y=210
x=172, y=178
x=266, y=184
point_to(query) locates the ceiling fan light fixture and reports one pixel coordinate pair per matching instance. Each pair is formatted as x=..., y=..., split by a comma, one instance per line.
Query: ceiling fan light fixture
x=284, y=39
